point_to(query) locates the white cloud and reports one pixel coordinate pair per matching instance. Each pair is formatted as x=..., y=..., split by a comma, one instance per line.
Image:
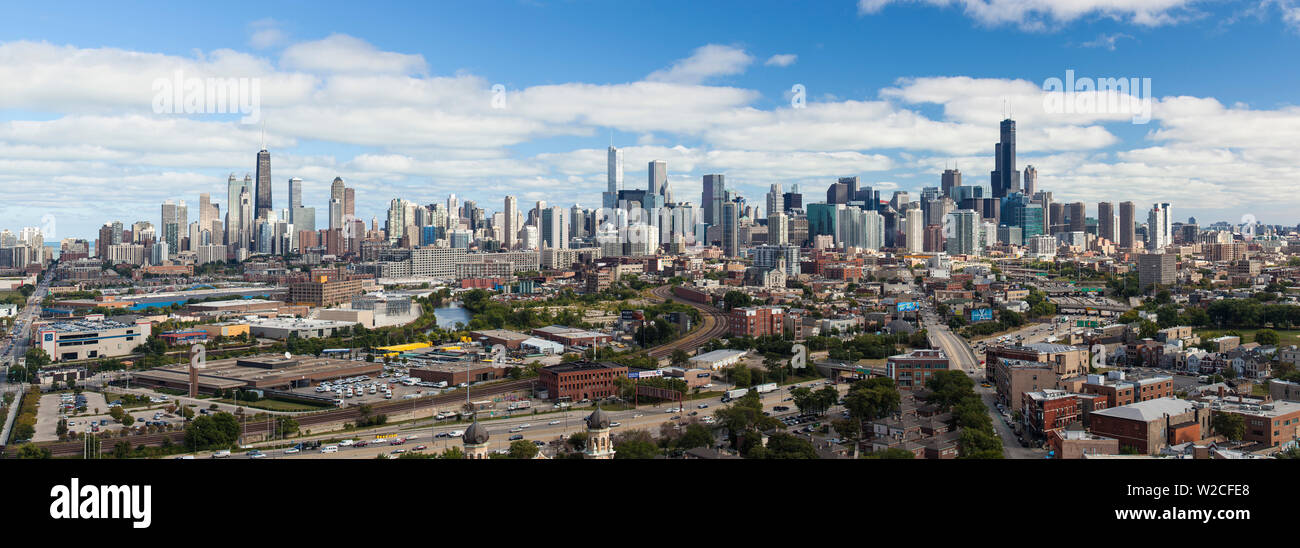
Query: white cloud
x=343, y=53
x=266, y=33
x=781, y=60
x=379, y=121
x=1038, y=14
x=1107, y=41
x=704, y=63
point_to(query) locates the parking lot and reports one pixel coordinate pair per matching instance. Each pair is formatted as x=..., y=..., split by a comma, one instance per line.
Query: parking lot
x=387, y=386
x=53, y=408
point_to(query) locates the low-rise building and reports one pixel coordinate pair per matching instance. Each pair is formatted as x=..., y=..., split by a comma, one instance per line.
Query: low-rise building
x=1149, y=426
x=912, y=370
x=90, y=337
x=583, y=380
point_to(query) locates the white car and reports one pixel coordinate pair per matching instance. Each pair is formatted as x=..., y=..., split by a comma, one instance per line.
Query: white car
x=554, y=422
x=456, y=433
x=291, y=450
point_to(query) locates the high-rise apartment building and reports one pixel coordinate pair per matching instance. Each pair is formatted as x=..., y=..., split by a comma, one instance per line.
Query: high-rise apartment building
x=1106, y=221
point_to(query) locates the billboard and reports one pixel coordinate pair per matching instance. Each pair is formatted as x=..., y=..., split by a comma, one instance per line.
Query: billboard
x=906, y=306
x=981, y=314
x=644, y=374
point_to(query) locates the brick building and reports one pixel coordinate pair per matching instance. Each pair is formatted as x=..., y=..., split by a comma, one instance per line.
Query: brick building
x=757, y=321
x=576, y=381
x=1150, y=426
x=911, y=370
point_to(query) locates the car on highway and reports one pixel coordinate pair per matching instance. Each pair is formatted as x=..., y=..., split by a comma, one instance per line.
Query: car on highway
x=291, y=450
x=255, y=454
x=676, y=417
x=516, y=437
x=702, y=406
x=420, y=448
x=516, y=429
x=398, y=451
x=615, y=424
x=554, y=422
x=224, y=453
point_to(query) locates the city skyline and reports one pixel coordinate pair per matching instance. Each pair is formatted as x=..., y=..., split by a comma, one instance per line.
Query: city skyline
x=1210, y=149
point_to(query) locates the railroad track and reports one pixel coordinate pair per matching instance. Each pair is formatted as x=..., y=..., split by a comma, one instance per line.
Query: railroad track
x=713, y=325
x=262, y=427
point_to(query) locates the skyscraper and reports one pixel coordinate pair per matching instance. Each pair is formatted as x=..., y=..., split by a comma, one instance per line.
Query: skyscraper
x=711, y=198
x=951, y=179
x=792, y=200
x=1004, y=177
x=657, y=173
x=263, y=205
x=730, y=218
x=1105, y=219
x=174, y=223
x=914, y=230
x=295, y=194
x=613, y=177
x=510, y=215
x=774, y=201
x=1159, y=227
x=555, y=232
x=1127, y=225
x=1031, y=180
x=1077, y=212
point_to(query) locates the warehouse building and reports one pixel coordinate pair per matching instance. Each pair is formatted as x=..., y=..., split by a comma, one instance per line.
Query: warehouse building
x=90, y=337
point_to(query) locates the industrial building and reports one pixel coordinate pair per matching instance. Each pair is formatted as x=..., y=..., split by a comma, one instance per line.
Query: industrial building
x=91, y=337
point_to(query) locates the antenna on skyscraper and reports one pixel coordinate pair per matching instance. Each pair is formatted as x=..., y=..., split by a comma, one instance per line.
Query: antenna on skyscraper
x=264, y=134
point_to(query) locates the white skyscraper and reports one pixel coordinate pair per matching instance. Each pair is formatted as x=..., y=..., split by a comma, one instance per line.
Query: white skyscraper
x=914, y=230
x=510, y=226
x=1159, y=227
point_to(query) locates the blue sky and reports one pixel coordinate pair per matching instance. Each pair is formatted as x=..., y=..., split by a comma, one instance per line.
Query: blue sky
x=392, y=96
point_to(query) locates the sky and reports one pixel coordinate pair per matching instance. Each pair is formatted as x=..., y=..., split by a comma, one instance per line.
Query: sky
x=483, y=99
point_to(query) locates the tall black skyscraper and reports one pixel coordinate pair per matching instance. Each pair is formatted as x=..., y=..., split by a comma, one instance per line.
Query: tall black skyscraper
x=263, y=204
x=1005, y=178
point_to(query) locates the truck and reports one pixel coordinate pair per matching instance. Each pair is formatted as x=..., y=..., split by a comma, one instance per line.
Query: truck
x=518, y=405
x=733, y=394
x=765, y=388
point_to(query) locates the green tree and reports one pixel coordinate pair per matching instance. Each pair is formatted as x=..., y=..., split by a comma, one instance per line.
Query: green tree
x=523, y=450
x=32, y=451
x=782, y=445
x=1267, y=337
x=696, y=436
x=635, y=444
x=1228, y=425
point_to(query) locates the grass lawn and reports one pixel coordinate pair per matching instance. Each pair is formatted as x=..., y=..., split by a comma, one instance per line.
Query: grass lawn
x=1286, y=337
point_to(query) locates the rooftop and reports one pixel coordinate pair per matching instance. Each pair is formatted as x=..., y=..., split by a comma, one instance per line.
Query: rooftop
x=1149, y=410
